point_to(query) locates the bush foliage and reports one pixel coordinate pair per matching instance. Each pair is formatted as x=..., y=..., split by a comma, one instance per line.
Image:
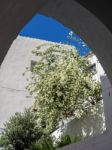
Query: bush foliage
x=21, y=131
x=62, y=85
x=45, y=143
x=66, y=140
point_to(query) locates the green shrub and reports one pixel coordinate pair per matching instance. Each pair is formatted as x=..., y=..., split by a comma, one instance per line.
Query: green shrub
x=2, y=141
x=21, y=131
x=44, y=143
x=66, y=140
x=62, y=85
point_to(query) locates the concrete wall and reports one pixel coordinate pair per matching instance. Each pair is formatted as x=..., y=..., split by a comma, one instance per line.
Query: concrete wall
x=92, y=124
x=103, y=141
x=89, y=126
x=12, y=82
x=13, y=95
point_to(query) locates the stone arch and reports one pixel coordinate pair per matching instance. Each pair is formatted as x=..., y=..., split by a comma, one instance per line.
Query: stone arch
x=81, y=21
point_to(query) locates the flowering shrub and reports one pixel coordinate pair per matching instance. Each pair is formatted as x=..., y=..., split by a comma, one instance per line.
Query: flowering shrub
x=62, y=85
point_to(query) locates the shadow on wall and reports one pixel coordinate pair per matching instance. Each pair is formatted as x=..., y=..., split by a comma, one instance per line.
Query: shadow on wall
x=88, y=126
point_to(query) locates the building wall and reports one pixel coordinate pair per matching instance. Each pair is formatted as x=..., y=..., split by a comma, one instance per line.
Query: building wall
x=98, y=69
x=102, y=141
x=13, y=93
x=12, y=82
x=91, y=124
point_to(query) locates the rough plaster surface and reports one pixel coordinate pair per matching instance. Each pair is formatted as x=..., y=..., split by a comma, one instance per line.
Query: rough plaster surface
x=89, y=126
x=12, y=82
x=13, y=95
x=103, y=141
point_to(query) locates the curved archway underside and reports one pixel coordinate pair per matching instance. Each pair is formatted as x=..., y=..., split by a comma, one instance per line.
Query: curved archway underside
x=15, y=14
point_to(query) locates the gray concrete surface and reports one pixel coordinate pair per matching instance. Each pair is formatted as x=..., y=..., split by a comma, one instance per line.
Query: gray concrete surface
x=13, y=93
x=103, y=141
x=12, y=82
x=89, y=125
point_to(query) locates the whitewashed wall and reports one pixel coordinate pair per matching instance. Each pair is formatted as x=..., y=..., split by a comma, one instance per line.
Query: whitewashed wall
x=92, y=124
x=102, y=141
x=12, y=82
x=13, y=94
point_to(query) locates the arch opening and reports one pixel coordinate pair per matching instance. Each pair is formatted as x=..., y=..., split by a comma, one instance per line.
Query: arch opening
x=27, y=40
x=96, y=41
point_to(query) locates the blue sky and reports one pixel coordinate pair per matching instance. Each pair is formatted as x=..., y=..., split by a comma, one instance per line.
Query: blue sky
x=47, y=28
